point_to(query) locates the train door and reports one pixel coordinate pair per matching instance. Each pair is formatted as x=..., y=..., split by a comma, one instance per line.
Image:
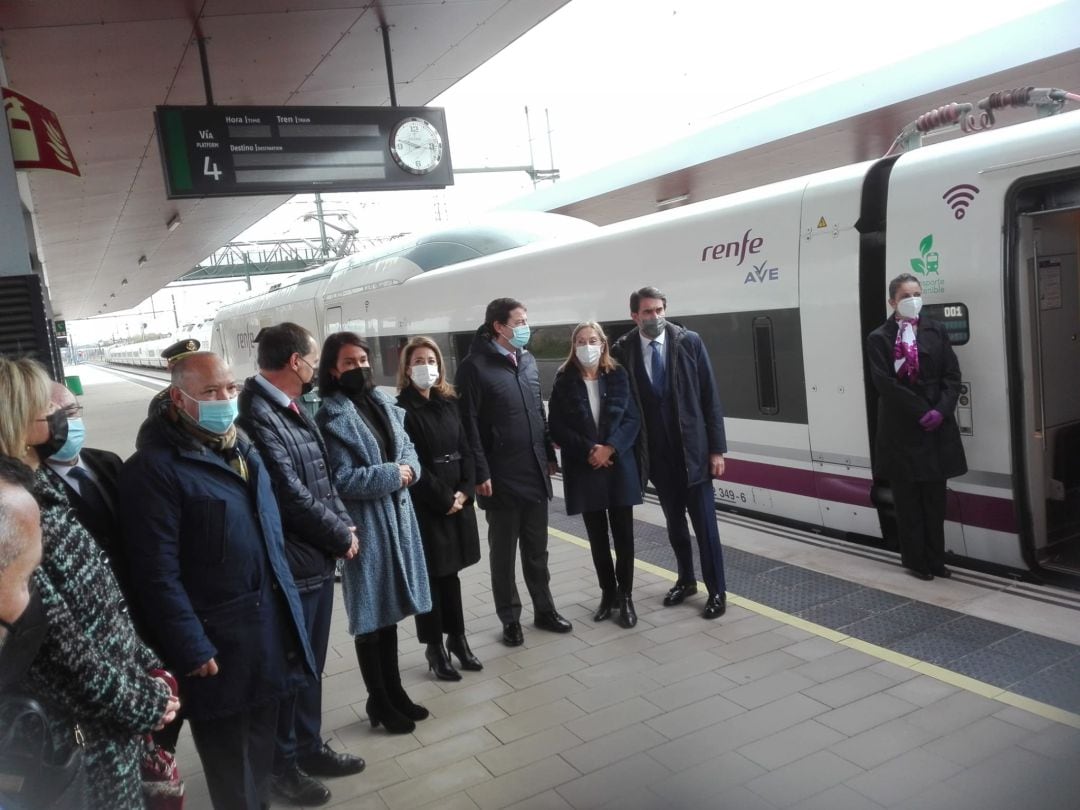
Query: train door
x=832, y=352
x=1046, y=407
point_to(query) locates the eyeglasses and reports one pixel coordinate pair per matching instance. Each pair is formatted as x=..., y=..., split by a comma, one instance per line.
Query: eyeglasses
x=73, y=411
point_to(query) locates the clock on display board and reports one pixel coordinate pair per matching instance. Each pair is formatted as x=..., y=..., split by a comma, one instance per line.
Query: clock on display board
x=416, y=145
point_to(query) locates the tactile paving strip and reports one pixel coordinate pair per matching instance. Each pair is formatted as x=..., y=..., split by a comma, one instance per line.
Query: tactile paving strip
x=1028, y=664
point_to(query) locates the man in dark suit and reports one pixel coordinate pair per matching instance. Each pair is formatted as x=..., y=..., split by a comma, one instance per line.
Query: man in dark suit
x=682, y=438
x=89, y=477
x=317, y=531
x=502, y=409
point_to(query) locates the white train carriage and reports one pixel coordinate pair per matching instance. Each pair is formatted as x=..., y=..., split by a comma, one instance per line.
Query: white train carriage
x=783, y=283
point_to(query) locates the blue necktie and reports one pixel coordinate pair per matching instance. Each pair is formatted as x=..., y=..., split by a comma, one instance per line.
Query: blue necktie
x=657, y=366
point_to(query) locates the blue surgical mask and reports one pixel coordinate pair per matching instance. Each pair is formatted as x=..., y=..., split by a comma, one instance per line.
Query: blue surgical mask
x=521, y=336
x=215, y=415
x=72, y=447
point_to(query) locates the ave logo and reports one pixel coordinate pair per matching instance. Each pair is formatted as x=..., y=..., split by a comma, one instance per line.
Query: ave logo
x=762, y=273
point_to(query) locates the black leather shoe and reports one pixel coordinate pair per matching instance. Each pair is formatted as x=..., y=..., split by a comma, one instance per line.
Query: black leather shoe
x=512, y=635
x=459, y=646
x=677, y=594
x=942, y=572
x=715, y=607
x=439, y=663
x=926, y=576
x=552, y=622
x=296, y=787
x=327, y=762
x=607, y=605
x=627, y=615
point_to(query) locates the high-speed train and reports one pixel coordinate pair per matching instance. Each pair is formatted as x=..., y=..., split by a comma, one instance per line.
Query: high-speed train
x=783, y=283
x=147, y=353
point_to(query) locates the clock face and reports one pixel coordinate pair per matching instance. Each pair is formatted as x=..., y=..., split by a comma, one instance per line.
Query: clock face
x=416, y=146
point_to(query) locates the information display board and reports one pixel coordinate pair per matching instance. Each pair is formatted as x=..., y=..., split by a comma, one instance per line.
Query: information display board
x=236, y=151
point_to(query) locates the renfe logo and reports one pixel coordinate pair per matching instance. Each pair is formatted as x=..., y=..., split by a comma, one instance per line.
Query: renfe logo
x=728, y=250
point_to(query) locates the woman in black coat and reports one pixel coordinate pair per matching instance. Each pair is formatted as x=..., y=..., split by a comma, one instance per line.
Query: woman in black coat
x=594, y=419
x=917, y=447
x=443, y=498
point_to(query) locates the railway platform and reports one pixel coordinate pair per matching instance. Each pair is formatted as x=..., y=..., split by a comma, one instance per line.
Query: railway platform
x=834, y=681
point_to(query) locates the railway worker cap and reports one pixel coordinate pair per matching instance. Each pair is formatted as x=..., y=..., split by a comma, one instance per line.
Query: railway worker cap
x=178, y=351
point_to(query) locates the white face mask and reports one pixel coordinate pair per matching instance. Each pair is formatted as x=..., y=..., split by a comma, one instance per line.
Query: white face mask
x=909, y=307
x=588, y=355
x=424, y=376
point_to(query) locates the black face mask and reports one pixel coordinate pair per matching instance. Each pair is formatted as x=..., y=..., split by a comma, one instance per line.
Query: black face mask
x=24, y=639
x=356, y=381
x=58, y=432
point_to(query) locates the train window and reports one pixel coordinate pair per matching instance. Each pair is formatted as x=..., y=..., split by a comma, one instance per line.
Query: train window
x=551, y=342
x=955, y=319
x=765, y=365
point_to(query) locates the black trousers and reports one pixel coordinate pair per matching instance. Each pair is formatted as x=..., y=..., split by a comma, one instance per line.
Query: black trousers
x=446, y=614
x=920, y=522
x=677, y=500
x=507, y=528
x=620, y=575
x=300, y=714
x=237, y=754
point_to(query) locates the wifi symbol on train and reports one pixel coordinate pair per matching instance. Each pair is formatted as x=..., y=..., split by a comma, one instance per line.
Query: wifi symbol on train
x=959, y=198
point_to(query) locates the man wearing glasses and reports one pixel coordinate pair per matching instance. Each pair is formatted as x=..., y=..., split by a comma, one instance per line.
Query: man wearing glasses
x=89, y=477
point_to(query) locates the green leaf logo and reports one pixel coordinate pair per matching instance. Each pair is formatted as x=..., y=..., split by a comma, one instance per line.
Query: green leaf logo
x=926, y=244
x=918, y=266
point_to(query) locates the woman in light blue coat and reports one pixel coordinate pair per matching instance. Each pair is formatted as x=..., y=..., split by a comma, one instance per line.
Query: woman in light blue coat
x=373, y=463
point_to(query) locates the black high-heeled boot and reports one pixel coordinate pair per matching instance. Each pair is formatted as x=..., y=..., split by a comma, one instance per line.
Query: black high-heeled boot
x=379, y=707
x=391, y=675
x=439, y=663
x=607, y=605
x=627, y=614
x=457, y=645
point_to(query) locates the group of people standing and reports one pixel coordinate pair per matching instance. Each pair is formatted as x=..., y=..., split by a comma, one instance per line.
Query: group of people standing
x=212, y=551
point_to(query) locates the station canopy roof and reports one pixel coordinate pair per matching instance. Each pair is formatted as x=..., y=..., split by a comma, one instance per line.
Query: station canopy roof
x=103, y=65
x=835, y=123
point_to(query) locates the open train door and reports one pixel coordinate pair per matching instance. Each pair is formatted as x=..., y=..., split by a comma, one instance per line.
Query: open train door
x=1044, y=362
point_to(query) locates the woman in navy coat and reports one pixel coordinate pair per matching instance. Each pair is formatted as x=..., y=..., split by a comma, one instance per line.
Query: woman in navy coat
x=917, y=446
x=594, y=419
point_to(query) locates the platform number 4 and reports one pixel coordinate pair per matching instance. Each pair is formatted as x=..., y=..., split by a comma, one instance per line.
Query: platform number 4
x=211, y=169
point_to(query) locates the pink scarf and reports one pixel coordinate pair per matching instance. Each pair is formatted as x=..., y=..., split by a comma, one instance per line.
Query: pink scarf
x=906, y=351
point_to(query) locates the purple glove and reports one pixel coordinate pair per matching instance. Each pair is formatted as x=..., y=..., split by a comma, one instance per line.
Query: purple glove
x=931, y=420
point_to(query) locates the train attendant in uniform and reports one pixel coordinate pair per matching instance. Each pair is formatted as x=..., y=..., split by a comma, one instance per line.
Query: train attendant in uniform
x=91, y=666
x=373, y=464
x=683, y=438
x=917, y=445
x=443, y=498
x=594, y=419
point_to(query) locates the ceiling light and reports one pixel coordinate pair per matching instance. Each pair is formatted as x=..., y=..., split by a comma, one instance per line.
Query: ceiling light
x=123, y=282
x=143, y=260
x=173, y=223
x=112, y=295
x=676, y=200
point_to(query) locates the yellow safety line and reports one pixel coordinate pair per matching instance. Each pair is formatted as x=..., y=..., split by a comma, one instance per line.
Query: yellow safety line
x=956, y=679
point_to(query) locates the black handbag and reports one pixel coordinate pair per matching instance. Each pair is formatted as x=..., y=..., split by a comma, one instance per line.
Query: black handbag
x=39, y=769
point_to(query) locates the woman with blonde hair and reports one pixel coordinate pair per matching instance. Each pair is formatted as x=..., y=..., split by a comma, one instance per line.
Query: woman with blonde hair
x=92, y=667
x=443, y=500
x=594, y=419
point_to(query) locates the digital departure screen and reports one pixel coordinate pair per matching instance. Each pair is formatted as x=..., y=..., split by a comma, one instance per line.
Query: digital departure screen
x=237, y=151
x=955, y=318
